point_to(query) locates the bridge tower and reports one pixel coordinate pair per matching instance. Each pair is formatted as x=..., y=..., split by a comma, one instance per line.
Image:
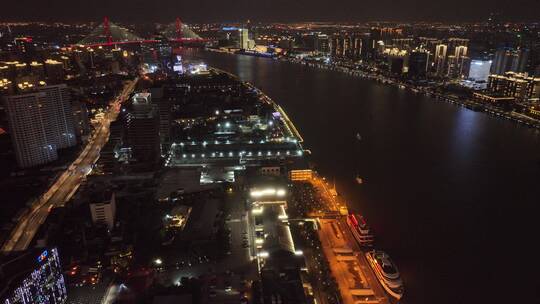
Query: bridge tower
x=107, y=30
x=178, y=29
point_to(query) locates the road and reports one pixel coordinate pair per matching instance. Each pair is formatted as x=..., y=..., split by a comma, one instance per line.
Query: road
x=367, y=271
x=68, y=183
x=346, y=239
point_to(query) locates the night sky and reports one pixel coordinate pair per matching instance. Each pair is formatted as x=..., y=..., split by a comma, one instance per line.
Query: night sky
x=272, y=10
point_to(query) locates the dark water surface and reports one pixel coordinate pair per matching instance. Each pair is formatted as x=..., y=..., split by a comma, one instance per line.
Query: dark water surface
x=451, y=194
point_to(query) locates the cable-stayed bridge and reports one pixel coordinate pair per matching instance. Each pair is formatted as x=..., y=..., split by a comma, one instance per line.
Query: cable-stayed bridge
x=110, y=34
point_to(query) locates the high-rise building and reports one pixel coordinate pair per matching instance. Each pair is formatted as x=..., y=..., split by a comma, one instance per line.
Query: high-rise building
x=33, y=278
x=4, y=71
x=440, y=59
x=346, y=46
x=454, y=43
x=357, y=47
x=54, y=71
x=80, y=119
x=21, y=69
x=337, y=47
x=460, y=51
x=37, y=70
x=243, y=39
x=28, y=129
x=402, y=43
x=418, y=63
x=479, y=70
x=396, y=60
x=40, y=123
x=429, y=43
x=396, y=64
x=142, y=124
x=163, y=101
x=321, y=43
x=510, y=60
x=59, y=116
x=458, y=64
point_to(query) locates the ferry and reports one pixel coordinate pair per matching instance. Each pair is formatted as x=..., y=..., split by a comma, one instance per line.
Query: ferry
x=360, y=230
x=387, y=272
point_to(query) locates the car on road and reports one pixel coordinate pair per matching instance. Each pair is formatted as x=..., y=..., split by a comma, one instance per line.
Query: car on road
x=228, y=286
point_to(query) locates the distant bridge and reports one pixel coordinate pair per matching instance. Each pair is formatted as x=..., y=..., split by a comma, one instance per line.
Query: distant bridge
x=110, y=34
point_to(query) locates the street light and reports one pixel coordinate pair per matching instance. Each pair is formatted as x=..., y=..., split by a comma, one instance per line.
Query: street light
x=158, y=261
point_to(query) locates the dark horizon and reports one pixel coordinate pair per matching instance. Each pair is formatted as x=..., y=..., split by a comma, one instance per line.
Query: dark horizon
x=276, y=11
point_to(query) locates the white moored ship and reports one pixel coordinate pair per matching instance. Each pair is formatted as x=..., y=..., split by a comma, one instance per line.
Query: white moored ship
x=387, y=272
x=360, y=230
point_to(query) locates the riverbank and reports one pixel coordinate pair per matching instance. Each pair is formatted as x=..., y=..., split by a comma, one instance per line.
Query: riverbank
x=435, y=175
x=427, y=91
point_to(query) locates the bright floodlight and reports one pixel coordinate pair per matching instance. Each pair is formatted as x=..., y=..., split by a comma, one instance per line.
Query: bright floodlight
x=267, y=192
x=298, y=252
x=158, y=261
x=263, y=254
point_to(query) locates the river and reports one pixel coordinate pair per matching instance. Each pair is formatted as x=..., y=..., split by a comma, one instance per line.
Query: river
x=451, y=194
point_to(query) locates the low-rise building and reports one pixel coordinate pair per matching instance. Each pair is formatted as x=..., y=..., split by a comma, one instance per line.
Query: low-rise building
x=104, y=212
x=519, y=86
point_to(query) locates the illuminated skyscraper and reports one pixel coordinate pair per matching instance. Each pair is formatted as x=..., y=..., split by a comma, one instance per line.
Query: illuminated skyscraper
x=40, y=123
x=28, y=129
x=458, y=64
x=460, y=51
x=322, y=43
x=243, y=38
x=357, y=47
x=37, y=280
x=440, y=59
x=479, y=70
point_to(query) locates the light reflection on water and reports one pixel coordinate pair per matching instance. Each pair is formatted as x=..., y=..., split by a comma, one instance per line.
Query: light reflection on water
x=449, y=192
